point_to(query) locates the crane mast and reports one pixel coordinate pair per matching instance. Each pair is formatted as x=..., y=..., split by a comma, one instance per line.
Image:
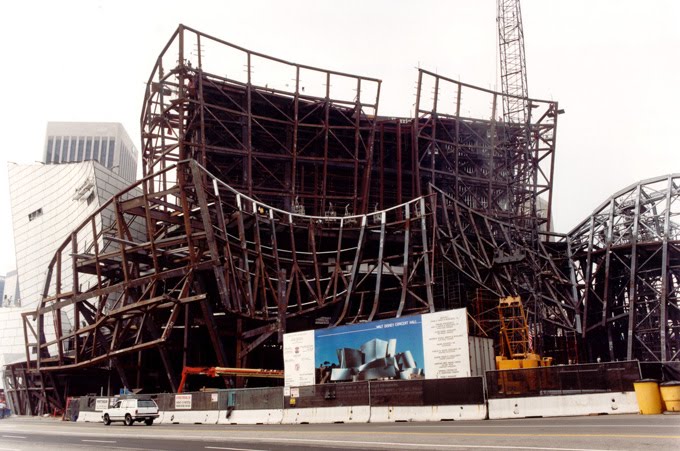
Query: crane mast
x=519, y=145
x=517, y=113
x=513, y=63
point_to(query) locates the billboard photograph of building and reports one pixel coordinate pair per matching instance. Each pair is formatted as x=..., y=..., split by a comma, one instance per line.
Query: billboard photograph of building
x=429, y=346
x=391, y=348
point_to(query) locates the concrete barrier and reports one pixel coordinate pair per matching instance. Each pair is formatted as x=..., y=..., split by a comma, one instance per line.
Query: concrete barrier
x=161, y=418
x=89, y=417
x=268, y=416
x=190, y=417
x=321, y=415
x=428, y=413
x=563, y=405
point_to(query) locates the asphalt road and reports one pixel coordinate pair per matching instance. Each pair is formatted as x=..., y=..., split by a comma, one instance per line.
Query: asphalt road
x=616, y=432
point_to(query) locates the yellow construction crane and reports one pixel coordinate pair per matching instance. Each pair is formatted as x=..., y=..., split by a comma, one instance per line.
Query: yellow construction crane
x=515, y=342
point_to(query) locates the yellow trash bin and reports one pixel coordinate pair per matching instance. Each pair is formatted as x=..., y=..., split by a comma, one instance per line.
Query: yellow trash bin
x=670, y=393
x=648, y=396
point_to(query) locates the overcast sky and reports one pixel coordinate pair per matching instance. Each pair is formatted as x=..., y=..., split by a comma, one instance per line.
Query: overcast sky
x=613, y=65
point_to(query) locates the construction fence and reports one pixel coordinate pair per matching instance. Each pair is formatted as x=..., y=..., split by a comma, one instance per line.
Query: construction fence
x=563, y=380
x=612, y=379
x=425, y=392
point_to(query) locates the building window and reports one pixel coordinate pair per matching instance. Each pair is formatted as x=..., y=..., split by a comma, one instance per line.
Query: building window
x=102, y=154
x=90, y=198
x=95, y=152
x=57, y=150
x=35, y=214
x=112, y=144
x=81, y=145
x=64, y=150
x=72, y=156
x=48, y=154
x=88, y=149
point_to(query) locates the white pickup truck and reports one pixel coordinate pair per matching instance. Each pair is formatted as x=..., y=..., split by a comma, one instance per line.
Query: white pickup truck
x=131, y=410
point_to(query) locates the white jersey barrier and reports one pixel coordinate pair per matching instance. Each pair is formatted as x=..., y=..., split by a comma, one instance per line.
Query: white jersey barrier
x=562, y=406
x=427, y=413
x=269, y=416
x=319, y=415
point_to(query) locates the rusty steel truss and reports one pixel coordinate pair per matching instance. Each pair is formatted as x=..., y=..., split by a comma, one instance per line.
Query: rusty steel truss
x=275, y=199
x=627, y=265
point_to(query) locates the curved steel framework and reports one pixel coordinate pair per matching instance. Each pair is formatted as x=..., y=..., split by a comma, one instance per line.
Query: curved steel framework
x=270, y=207
x=627, y=264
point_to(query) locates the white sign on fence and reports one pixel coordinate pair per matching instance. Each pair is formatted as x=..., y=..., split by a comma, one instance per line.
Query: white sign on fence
x=445, y=344
x=182, y=402
x=101, y=404
x=298, y=358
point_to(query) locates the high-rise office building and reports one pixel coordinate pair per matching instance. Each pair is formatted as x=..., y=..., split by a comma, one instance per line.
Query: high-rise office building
x=105, y=142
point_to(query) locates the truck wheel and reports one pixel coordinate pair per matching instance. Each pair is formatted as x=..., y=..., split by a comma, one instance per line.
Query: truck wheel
x=148, y=421
x=128, y=420
x=107, y=420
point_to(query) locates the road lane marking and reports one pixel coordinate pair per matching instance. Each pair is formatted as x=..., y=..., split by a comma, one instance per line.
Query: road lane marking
x=13, y=436
x=98, y=441
x=538, y=426
x=482, y=434
x=430, y=445
x=233, y=449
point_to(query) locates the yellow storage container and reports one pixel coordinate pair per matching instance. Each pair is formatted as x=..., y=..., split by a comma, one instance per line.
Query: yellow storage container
x=648, y=396
x=670, y=394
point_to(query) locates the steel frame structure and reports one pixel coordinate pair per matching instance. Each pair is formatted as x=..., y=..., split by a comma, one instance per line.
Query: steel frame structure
x=627, y=265
x=270, y=207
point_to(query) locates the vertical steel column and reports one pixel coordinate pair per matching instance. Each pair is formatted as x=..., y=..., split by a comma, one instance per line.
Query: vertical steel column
x=249, y=127
x=666, y=353
x=405, y=272
x=379, y=268
x=296, y=124
x=588, y=276
x=632, y=282
x=326, y=133
x=426, y=260
x=354, y=270
x=607, y=263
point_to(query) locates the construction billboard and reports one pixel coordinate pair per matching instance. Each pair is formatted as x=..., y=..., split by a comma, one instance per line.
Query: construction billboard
x=429, y=346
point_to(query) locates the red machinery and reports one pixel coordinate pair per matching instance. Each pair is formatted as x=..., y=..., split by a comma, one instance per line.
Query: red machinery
x=217, y=371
